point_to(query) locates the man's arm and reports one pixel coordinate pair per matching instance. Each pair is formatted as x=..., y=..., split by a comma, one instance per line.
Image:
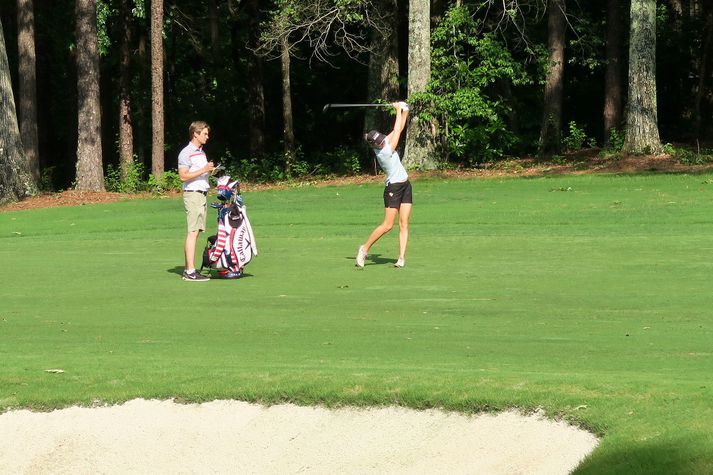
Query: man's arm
x=186, y=175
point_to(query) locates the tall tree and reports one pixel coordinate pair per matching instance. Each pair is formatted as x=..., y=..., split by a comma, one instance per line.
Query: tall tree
x=90, y=174
x=703, y=68
x=27, y=84
x=642, y=133
x=16, y=180
x=612, y=78
x=214, y=31
x=287, y=122
x=383, y=82
x=551, y=126
x=256, y=93
x=157, y=116
x=420, y=142
x=323, y=25
x=126, y=128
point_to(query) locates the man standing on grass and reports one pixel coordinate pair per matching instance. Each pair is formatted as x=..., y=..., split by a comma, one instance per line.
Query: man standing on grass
x=194, y=170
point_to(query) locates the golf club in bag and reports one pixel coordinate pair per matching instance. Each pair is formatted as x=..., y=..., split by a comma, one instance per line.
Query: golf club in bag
x=234, y=246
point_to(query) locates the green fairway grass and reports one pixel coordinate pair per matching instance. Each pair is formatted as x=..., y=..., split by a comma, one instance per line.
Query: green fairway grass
x=588, y=296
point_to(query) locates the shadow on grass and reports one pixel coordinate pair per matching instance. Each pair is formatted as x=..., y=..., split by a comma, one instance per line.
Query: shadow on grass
x=649, y=458
x=175, y=270
x=178, y=270
x=375, y=259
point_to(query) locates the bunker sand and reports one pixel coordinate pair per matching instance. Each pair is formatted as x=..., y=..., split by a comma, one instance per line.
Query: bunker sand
x=150, y=436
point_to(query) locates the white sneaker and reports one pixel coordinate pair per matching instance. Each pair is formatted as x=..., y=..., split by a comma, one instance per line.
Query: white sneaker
x=361, y=257
x=400, y=263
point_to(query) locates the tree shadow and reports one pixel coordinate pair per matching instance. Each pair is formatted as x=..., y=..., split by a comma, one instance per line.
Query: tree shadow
x=672, y=458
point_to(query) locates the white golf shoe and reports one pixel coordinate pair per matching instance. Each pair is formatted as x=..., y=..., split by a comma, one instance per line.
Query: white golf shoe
x=361, y=257
x=400, y=263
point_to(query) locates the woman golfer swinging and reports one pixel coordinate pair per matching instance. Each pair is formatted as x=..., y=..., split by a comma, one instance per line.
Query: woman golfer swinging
x=397, y=194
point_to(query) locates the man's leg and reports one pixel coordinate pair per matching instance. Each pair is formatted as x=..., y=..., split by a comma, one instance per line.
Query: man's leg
x=191, y=240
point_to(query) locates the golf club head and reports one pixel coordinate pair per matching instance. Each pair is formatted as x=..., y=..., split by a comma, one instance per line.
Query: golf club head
x=326, y=106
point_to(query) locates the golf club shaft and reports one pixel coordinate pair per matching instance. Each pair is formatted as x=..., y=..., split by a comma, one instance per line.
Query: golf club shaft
x=357, y=105
x=331, y=106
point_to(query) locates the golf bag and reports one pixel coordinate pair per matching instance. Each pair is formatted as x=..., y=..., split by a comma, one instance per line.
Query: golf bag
x=234, y=246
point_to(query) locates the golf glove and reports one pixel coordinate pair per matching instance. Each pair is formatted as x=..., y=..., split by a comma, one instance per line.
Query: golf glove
x=404, y=106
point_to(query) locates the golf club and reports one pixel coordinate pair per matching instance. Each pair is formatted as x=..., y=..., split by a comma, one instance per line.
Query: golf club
x=333, y=106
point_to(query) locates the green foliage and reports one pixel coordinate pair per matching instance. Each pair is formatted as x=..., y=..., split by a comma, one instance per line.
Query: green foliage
x=104, y=12
x=139, y=9
x=136, y=181
x=669, y=149
x=133, y=182
x=268, y=169
x=169, y=181
x=302, y=168
x=342, y=160
x=576, y=138
x=586, y=43
x=463, y=95
x=616, y=140
x=687, y=156
x=47, y=179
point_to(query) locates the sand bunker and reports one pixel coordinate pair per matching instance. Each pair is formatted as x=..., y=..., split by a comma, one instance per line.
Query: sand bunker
x=232, y=437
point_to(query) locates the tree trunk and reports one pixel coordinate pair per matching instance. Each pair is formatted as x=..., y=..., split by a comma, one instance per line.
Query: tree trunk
x=16, y=180
x=383, y=82
x=27, y=84
x=289, y=131
x=612, y=79
x=420, y=152
x=676, y=6
x=90, y=174
x=157, y=123
x=256, y=93
x=642, y=133
x=213, y=31
x=551, y=127
x=703, y=70
x=126, y=132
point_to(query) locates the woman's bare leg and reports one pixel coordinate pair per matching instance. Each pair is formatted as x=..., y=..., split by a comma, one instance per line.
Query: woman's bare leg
x=404, y=216
x=383, y=228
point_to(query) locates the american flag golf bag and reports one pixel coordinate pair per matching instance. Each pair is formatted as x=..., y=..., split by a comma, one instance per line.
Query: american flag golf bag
x=234, y=246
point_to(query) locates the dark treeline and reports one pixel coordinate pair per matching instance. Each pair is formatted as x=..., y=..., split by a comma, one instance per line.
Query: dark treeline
x=486, y=99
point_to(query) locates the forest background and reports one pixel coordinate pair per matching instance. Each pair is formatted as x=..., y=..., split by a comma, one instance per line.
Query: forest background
x=116, y=83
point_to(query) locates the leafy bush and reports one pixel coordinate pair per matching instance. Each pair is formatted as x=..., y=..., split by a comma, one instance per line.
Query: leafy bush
x=616, y=140
x=342, y=160
x=463, y=97
x=47, y=179
x=688, y=157
x=169, y=181
x=133, y=181
x=576, y=138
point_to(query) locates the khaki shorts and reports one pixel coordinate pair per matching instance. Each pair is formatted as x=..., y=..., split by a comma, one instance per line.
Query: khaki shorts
x=196, y=208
